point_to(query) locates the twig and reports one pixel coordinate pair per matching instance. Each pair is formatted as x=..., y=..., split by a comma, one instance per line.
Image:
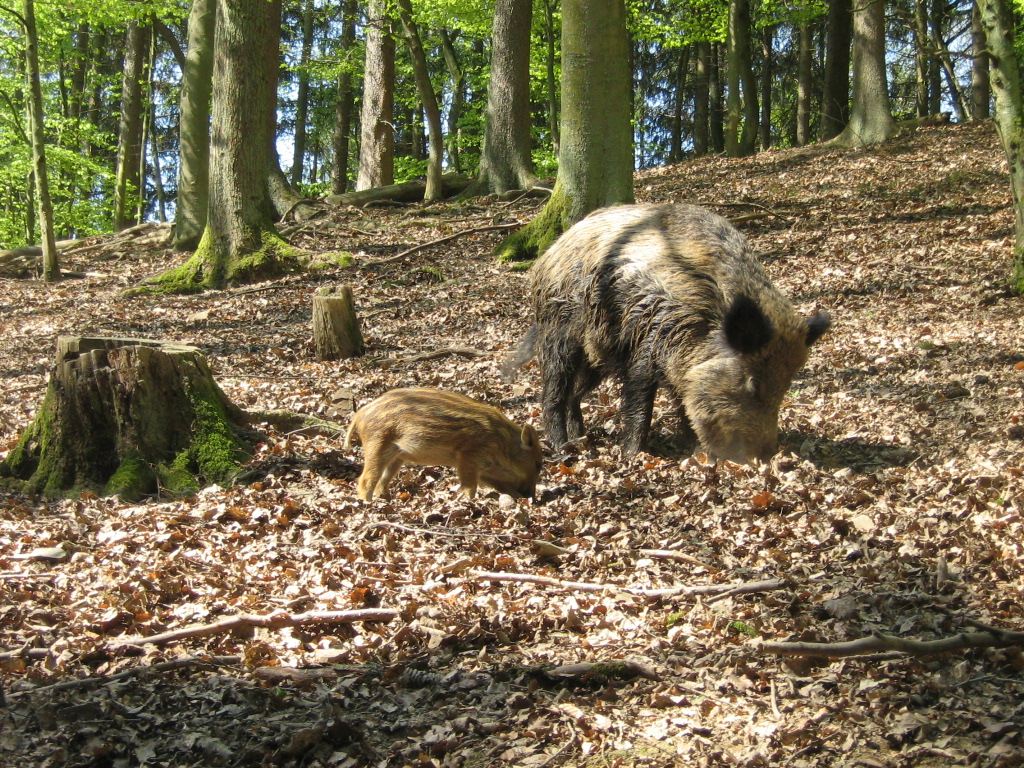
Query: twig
x=671, y=554
x=19, y=575
x=163, y=666
x=446, y=534
x=439, y=241
x=705, y=589
x=273, y=620
x=878, y=641
x=436, y=353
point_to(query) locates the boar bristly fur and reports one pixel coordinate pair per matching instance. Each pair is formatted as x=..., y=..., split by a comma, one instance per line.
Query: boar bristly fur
x=666, y=295
x=433, y=427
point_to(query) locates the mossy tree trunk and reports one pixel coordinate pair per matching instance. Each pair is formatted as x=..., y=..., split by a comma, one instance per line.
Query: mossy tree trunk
x=595, y=159
x=240, y=243
x=129, y=417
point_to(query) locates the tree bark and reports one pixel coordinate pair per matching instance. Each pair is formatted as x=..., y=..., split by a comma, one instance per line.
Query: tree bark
x=835, y=100
x=406, y=192
x=431, y=110
x=336, y=333
x=549, y=75
x=804, y=84
x=595, y=164
x=194, y=127
x=44, y=206
x=505, y=162
x=871, y=118
x=702, y=100
x=741, y=128
x=999, y=20
x=343, y=106
x=981, y=93
x=458, y=89
x=377, y=138
x=129, y=138
x=128, y=417
x=302, y=95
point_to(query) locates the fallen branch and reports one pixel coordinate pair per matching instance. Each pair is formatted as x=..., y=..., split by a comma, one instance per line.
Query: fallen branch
x=436, y=353
x=878, y=641
x=163, y=666
x=274, y=620
x=724, y=590
x=290, y=421
x=671, y=554
x=439, y=241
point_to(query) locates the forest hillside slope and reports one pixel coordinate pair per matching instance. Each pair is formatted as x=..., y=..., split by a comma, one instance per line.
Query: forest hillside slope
x=893, y=509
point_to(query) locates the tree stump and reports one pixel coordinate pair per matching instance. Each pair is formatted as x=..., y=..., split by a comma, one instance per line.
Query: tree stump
x=129, y=417
x=336, y=331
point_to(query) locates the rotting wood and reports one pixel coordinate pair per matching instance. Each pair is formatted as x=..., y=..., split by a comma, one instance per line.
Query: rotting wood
x=404, y=192
x=336, y=333
x=434, y=354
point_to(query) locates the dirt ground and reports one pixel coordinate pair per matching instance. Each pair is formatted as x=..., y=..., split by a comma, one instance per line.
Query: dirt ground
x=893, y=510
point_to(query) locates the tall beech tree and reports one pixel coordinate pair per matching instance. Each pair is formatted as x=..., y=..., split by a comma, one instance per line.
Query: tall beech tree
x=998, y=18
x=130, y=136
x=505, y=163
x=871, y=118
x=240, y=242
x=194, y=127
x=377, y=134
x=595, y=159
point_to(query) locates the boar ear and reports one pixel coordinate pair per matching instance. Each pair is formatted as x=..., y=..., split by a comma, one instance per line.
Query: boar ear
x=747, y=329
x=816, y=326
x=529, y=437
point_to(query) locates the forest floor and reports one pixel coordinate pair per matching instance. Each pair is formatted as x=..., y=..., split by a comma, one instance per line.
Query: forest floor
x=894, y=507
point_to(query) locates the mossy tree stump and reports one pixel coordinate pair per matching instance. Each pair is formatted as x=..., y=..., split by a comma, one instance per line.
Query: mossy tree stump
x=336, y=331
x=129, y=417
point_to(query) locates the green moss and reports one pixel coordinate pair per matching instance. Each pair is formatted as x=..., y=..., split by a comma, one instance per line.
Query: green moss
x=321, y=261
x=273, y=258
x=179, y=477
x=216, y=451
x=535, y=238
x=133, y=479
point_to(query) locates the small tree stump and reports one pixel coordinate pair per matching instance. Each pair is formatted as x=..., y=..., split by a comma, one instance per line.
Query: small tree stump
x=128, y=417
x=336, y=331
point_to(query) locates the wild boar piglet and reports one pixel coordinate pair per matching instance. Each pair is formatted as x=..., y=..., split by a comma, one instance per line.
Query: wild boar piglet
x=437, y=428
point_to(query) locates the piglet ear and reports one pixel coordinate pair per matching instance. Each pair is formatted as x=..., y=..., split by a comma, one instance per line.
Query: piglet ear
x=817, y=325
x=529, y=437
x=747, y=329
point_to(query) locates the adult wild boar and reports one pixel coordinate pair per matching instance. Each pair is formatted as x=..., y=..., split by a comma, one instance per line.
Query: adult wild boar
x=666, y=295
x=433, y=427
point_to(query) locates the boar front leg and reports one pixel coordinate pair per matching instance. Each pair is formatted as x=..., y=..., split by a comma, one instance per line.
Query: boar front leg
x=639, y=386
x=469, y=474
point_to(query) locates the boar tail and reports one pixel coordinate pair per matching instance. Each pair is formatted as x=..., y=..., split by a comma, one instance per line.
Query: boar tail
x=351, y=437
x=523, y=354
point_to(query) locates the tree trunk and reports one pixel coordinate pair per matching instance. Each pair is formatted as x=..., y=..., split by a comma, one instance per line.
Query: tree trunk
x=505, y=162
x=835, y=100
x=302, y=95
x=804, y=85
x=336, y=333
x=406, y=192
x=871, y=118
x=739, y=77
x=922, y=58
x=768, y=46
x=549, y=75
x=432, y=111
x=717, y=114
x=678, y=100
x=981, y=93
x=702, y=100
x=194, y=127
x=51, y=267
x=458, y=78
x=595, y=165
x=129, y=138
x=377, y=140
x=343, y=106
x=128, y=417
x=999, y=20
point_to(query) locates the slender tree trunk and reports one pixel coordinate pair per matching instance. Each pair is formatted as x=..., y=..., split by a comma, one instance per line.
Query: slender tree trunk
x=717, y=116
x=377, y=141
x=741, y=132
x=804, y=85
x=549, y=71
x=343, y=105
x=981, y=93
x=702, y=100
x=935, y=16
x=835, y=100
x=194, y=127
x=768, y=51
x=871, y=115
x=922, y=57
x=679, y=98
x=432, y=111
x=51, y=267
x=999, y=20
x=130, y=139
x=946, y=60
x=505, y=162
x=458, y=78
x=302, y=95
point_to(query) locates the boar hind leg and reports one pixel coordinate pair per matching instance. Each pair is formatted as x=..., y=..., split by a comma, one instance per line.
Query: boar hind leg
x=378, y=469
x=561, y=359
x=637, y=406
x=587, y=377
